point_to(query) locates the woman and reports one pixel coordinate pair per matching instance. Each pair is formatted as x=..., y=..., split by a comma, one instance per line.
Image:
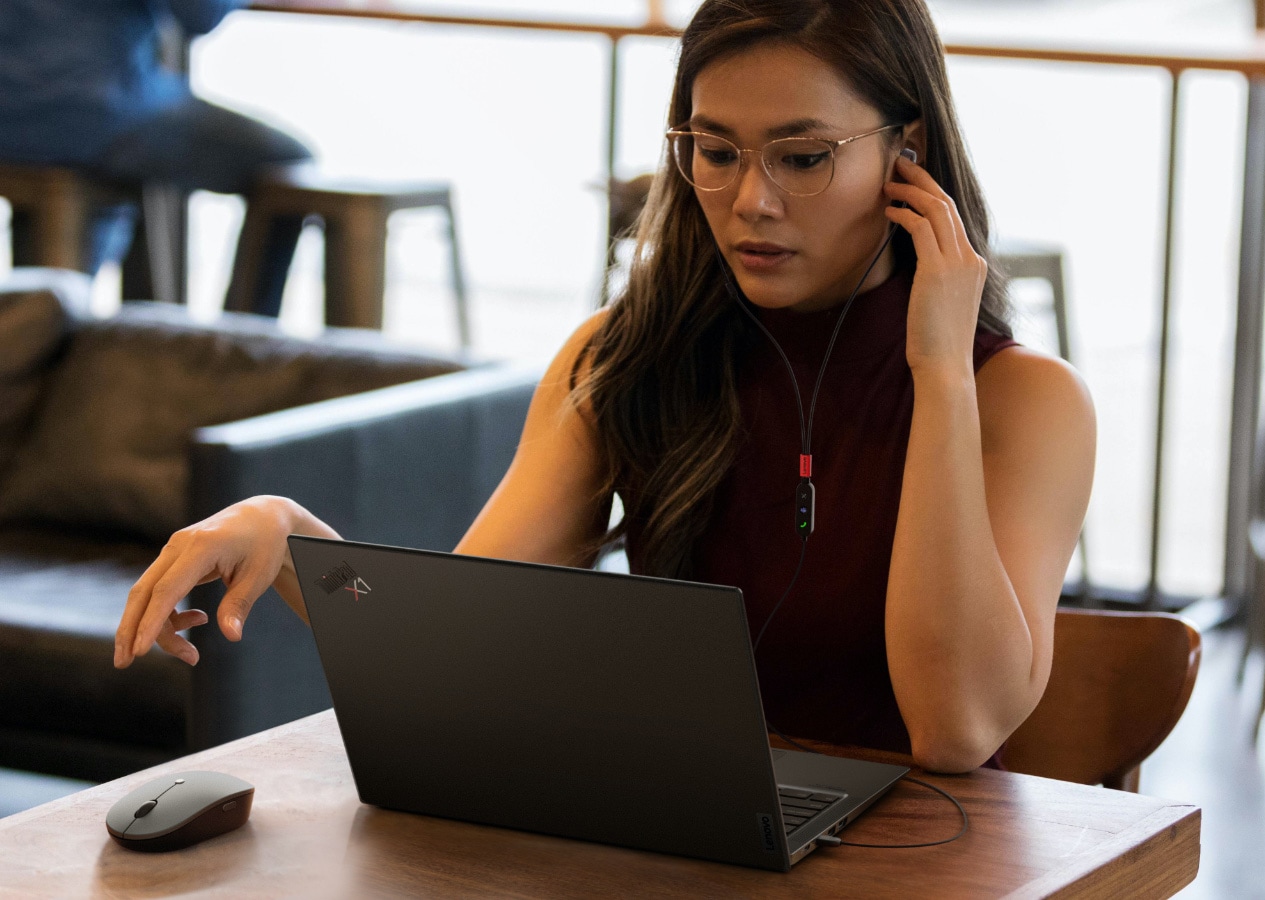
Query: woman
x=953, y=467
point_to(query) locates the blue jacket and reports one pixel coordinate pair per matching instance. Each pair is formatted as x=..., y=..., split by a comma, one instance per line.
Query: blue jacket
x=76, y=73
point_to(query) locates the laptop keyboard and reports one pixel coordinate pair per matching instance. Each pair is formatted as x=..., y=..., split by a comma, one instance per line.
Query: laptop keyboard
x=798, y=806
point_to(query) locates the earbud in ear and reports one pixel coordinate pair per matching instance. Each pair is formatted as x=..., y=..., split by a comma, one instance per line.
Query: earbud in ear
x=910, y=154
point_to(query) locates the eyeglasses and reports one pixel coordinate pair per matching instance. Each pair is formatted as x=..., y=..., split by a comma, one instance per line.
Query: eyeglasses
x=800, y=166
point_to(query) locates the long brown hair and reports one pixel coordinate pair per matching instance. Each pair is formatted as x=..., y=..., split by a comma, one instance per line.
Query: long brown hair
x=660, y=373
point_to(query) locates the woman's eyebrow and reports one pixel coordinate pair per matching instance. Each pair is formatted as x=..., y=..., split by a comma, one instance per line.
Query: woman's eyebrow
x=797, y=127
x=788, y=129
x=702, y=123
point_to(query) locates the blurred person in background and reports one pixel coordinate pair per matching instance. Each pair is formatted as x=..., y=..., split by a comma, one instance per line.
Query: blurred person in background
x=83, y=85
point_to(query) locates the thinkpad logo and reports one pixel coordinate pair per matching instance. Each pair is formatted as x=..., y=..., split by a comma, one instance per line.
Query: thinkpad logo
x=337, y=577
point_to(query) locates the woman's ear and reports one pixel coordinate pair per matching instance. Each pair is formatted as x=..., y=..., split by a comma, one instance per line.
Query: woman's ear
x=914, y=137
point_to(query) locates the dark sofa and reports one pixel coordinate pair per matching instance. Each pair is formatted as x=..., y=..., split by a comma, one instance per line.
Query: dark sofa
x=114, y=432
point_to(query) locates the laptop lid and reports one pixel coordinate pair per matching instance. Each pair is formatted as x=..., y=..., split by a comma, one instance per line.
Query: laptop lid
x=591, y=705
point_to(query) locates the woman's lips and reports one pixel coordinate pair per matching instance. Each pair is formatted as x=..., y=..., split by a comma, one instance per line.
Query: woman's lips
x=762, y=257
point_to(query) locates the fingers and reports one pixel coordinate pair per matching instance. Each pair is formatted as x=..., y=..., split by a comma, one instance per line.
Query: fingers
x=190, y=569
x=243, y=544
x=940, y=216
x=176, y=644
x=239, y=599
x=926, y=244
x=925, y=196
x=138, y=600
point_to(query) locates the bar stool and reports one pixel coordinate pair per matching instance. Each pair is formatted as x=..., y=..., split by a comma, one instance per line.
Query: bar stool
x=1023, y=259
x=58, y=202
x=354, y=215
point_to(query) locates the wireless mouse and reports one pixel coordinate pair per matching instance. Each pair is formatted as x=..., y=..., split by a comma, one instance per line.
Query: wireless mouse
x=178, y=810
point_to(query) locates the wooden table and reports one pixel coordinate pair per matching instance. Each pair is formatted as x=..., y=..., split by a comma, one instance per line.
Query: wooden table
x=310, y=837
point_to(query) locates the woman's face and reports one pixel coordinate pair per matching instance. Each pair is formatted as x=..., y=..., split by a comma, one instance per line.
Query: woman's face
x=787, y=251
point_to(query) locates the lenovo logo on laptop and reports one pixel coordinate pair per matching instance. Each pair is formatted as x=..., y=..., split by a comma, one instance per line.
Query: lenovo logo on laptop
x=339, y=577
x=767, y=824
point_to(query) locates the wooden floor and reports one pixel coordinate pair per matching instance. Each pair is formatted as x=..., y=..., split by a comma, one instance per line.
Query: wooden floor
x=1209, y=759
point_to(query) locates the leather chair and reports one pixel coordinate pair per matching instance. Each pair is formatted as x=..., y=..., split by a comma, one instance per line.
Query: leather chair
x=113, y=432
x=1119, y=683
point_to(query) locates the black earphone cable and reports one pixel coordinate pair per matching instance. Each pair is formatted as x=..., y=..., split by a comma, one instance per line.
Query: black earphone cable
x=966, y=823
x=805, y=431
x=803, y=549
x=745, y=306
x=805, y=434
x=821, y=373
x=805, y=428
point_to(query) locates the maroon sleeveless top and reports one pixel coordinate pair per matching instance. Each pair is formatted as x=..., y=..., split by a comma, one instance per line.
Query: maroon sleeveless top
x=823, y=660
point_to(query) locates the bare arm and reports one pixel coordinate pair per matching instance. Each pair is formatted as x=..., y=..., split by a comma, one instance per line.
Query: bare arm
x=997, y=478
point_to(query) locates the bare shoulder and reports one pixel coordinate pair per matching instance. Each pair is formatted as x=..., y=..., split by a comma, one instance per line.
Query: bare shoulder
x=1023, y=392
x=573, y=348
x=569, y=361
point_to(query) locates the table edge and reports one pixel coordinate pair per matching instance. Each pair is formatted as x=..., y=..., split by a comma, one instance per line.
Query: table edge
x=1087, y=874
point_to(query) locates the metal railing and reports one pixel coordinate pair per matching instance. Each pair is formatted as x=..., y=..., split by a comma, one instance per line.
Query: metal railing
x=1245, y=400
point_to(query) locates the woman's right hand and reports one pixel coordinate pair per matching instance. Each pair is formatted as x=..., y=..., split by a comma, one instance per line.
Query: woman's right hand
x=245, y=546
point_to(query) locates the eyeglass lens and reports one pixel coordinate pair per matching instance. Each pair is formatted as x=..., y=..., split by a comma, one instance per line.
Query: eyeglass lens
x=800, y=166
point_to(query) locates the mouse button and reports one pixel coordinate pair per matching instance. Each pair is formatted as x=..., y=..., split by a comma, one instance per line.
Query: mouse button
x=191, y=795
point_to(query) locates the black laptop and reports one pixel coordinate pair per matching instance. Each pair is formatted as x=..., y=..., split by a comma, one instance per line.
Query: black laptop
x=591, y=705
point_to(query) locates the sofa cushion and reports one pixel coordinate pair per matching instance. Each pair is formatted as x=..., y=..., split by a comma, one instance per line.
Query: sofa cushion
x=61, y=597
x=109, y=445
x=33, y=325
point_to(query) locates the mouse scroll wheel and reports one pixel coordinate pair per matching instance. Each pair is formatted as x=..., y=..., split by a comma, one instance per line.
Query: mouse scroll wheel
x=145, y=809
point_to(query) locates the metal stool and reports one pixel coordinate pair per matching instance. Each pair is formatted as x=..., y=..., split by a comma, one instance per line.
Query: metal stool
x=354, y=216
x=1022, y=259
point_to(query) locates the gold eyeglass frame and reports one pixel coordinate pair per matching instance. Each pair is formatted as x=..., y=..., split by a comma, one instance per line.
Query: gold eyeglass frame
x=834, y=146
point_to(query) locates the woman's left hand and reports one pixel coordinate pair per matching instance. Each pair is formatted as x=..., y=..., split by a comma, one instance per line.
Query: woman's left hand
x=949, y=280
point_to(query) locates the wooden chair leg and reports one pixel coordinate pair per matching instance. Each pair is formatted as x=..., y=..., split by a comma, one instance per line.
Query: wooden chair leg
x=355, y=264
x=248, y=261
x=1129, y=781
x=59, y=226
x=22, y=237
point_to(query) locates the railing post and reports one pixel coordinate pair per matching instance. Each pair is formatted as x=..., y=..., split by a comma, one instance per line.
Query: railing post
x=1161, y=391
x=1245, y=400
x=612, y=152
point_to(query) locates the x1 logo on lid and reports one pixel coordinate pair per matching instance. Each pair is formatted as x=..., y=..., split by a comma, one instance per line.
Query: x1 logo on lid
x=357, y=587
